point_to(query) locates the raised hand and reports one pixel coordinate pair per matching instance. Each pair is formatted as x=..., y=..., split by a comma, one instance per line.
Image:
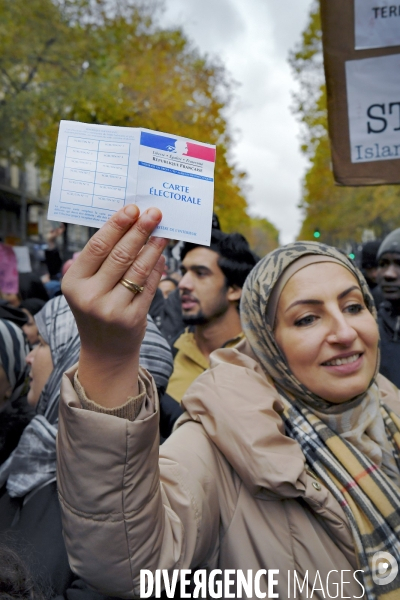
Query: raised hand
x=111, y=318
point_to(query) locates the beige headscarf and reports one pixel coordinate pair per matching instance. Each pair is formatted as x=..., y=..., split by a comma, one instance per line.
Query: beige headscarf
x=342, y=443
x=359, y=420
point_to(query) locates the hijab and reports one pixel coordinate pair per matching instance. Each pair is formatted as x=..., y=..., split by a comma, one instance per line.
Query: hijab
x=257, y=292
x=358, y=420
x=342, y=443
x=13, y=351
x=33, y=463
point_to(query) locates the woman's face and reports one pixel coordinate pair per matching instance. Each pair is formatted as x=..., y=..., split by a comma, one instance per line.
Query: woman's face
x=5, y=388
x=12, y=299
x=30, y=329
x=325, y=331
x=41, y=364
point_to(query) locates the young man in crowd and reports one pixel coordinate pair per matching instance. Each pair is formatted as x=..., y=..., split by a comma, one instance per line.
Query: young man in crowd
x=210, y=290
x=388, y=277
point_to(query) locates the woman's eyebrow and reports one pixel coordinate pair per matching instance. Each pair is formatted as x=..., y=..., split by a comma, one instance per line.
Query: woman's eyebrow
x=314, y=301
x=350, y=289
x=305, y=301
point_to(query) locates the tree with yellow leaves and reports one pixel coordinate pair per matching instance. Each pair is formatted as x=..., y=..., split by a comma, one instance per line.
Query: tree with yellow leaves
x=110, y=63
x=341, y=214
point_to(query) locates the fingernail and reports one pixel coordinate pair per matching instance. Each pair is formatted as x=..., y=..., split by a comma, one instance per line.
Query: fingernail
x=154, y=214
x=131, y=211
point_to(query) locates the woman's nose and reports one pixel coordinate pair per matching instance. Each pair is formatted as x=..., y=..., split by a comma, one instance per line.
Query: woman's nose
x=29, y=357
x=341, y=331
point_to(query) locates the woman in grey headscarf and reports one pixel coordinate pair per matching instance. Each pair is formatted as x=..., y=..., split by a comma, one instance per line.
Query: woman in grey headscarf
x=13, y=368
x=32, y=464
x=29, y=506
x=15, y=412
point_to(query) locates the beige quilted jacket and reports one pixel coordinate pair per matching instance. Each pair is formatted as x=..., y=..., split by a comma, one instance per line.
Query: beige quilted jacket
x=227, y=490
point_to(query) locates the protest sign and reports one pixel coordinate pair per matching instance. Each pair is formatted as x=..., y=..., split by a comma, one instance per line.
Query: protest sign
x=9, y=283
x=377, y=23
x=363, y=92
x=99, y=168
x=23, y=259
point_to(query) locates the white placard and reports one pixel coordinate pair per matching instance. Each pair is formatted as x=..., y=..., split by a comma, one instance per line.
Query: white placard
x=377, y=23
x=99, y=169
x=23, y=259
x=373, y=100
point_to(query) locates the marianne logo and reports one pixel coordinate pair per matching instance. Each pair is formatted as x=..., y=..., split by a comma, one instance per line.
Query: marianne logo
x=384, y=568
x=176, y=146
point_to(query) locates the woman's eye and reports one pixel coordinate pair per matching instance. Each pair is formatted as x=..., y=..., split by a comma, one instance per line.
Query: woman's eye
x=304, y=321
x=354, y=309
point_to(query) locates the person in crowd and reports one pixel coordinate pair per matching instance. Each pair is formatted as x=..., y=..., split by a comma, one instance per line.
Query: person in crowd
x=31, y=307
x=210, y=290
x=68, y=263
x=30, y=286
x=369, y=262
x=16, y=583
x=287, y=456
x=388, y=277
x=13, y=314
x=15, y=413
x=29, y=506
x=53, y=257
x=13, y=369
x=167, y=285
x=369, y=268
x=156, y=310
x=168, y=315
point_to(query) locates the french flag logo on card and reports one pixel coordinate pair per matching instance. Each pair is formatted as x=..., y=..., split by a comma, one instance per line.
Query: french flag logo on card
x=177, y=146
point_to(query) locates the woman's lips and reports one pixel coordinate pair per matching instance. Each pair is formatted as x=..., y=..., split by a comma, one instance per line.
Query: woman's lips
x=349, y=364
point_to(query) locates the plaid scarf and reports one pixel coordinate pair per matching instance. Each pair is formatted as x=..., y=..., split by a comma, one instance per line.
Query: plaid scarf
x=368, y=496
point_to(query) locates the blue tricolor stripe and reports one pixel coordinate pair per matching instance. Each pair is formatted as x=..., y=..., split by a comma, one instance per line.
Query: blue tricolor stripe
x=160, y=142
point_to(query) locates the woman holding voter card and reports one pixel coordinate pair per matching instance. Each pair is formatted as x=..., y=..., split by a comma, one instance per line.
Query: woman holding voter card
x=283, y=472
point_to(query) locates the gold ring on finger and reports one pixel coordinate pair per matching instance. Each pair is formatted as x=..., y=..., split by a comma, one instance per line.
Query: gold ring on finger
x=131, y=286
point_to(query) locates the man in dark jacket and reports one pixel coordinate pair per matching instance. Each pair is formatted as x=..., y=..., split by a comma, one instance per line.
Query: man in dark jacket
x=369, y=268
x=388, y=277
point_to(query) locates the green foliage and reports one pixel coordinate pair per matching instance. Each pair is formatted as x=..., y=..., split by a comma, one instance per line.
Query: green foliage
x=307, y=65
x=262, y=236
x=340, y=213
x=110, y=63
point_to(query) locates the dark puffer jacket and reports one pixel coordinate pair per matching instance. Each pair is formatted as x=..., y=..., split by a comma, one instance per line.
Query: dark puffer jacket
x=389, y=329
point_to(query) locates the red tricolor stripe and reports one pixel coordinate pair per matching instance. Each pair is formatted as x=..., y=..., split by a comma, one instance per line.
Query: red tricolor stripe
x=202, y=152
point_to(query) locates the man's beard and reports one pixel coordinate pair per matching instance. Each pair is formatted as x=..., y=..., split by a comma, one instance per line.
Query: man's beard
x=198, y=319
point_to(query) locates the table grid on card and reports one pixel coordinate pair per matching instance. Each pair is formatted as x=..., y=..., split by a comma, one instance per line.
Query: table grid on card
x=95, y=173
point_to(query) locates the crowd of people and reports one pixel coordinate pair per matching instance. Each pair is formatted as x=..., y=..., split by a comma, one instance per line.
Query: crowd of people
x=220, y=411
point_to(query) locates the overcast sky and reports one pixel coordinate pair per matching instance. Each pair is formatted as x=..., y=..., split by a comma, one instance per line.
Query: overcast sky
x=253, y=39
